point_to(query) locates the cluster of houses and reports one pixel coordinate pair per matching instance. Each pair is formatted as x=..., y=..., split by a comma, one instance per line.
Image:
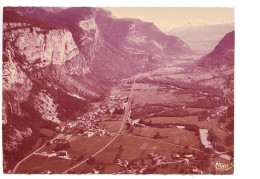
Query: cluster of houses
x=100, y=132
x=157, y=159
x=81, y=127
x=198, y=171
x=94, y=171
x=140, y=167
x=116, y=103
x=109, y=107
x=136, y=169
x=62, y=153
x=61, y=138
x=86, y=125
x=97, y=111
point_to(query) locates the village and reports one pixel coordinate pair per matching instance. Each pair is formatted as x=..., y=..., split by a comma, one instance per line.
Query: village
x=87, y=125
x=189, y=134
x=147, y=165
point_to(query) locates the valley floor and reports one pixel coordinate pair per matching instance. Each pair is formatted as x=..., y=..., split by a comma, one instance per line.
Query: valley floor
x=172, y=120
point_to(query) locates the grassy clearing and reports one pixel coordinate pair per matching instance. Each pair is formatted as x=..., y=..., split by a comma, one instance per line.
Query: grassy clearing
x=85, y=146
x=154, y=97
x=39, y=142
x=221, y=134
x=47, y=132
x=173, y=135
x=195, y=110
x=183, y=77
x=106, y=168
x=35, y=146
x=112, y=126
x=120, y=92
x=170, y=169
x=182, y=120
x=82, y=145
x=193, y=120
x=113, y=168
x=39, y=164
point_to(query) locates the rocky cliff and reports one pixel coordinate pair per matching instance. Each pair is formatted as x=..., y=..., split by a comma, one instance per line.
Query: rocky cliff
x=115, y=47
x=55, y=63
x=45, y=81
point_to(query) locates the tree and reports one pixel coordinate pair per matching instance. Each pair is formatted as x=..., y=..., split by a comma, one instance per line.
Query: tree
x=222, y=119
x=91, y=160
x=100, y=167
x=157, y=135
x=48, y=143
x=139, y=130
x=120, y=148
x=220, y=148
x=129, y=127
x=62, y=146
x=80, y=158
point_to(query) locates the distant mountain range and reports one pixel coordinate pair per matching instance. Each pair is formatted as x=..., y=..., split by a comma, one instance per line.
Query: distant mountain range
x=222, y=55
x=202, y=39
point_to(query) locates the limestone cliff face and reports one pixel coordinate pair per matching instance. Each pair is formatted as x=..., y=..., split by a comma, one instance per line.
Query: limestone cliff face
x=15, y=81
x=45, y=105
x=40, y=47
x=41, y=68
x=89, y=37
x=29, y=49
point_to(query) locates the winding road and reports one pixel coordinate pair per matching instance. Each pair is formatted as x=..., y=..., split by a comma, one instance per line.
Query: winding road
x=127, y=112
x=17, y=165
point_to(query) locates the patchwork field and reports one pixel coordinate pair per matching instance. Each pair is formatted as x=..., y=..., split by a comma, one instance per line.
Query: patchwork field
x=161, y=128
x=153, y=95
x=133, y=148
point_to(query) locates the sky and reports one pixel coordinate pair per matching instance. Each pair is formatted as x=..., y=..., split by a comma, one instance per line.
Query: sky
x=167, y=18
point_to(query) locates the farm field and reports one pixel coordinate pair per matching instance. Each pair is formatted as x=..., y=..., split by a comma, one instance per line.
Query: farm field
x=158, y=133
x=154, y=96
x=173, y=135
x=39, y=164
x=129, y=143
x=112, y=126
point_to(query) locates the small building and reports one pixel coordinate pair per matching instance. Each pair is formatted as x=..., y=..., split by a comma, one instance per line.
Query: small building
x=135, y=122
x=119, y=162
x=175, y=155
x=188, y=156
x=94, y=171
x=112, y=110
x=186, y=160
x=62, y=153
x=89, y=133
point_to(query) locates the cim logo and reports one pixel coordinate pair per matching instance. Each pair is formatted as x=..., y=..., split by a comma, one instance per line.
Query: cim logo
x=223, y=166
